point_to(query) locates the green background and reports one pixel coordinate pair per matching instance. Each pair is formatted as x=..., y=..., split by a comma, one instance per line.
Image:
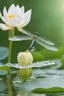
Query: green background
x=47, y=19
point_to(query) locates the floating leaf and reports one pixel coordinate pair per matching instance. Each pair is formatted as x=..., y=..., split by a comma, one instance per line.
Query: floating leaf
x=3, y=72
x=44, y=80
x=3, y=67
x=43, y=63
x=3, y=53
x=35, y=65
x=53, y=89
x=51, y=83
x=46, y=72
x=1, y=63
x=3, y=94
x=3, y=87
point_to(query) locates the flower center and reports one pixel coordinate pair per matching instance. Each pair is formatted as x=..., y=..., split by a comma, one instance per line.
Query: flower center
x=25, y=52
x=11, y=16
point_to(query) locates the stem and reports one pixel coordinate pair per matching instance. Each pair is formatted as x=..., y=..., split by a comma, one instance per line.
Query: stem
x=10, y=91
x=11, y=34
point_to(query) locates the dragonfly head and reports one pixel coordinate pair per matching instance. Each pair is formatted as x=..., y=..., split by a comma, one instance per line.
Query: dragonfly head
x=36, y=33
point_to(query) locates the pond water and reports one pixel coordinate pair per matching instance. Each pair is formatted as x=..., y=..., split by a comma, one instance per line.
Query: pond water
x=6, y=90
x=45, y=81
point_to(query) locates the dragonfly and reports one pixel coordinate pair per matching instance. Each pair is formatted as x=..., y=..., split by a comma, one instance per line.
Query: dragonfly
x=35, y=38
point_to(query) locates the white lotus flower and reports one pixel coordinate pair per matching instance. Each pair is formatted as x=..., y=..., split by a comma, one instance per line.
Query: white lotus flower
x=15, y=17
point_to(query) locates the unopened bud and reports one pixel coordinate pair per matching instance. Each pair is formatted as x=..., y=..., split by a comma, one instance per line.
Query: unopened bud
x=22, y=59
x=29, y=56
x=25, y=58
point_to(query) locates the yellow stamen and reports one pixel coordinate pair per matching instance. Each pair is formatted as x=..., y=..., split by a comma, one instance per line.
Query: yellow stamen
x=11, y=27
x=11, y=16
x=25, y=52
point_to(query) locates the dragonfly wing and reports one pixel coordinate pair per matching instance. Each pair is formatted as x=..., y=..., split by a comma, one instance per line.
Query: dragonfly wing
x=20, y=38
x=49, y=47
x=45, y=41
x=25, y=32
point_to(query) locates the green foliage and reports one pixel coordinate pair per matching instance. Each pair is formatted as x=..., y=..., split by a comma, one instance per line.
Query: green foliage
x=51, y=83
x=48, y=90
x=3, y=67
x=49, y=22
x=47, y=54
x=2, y=87
x=52, y=54
x=3, y=53
x=3, y=72
x=37, y=56
x=62, y=61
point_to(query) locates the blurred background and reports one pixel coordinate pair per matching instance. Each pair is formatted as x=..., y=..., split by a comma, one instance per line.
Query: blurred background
x=47, y=19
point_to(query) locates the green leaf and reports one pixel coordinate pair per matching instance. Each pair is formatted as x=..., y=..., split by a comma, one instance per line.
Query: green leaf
x=44, y=80
x=46, y=72
x=3, y=67
x=37, y=56
x=3, y=53
x=35, y=64
x=51, y=83
x=1, y=63
x=2, y=87
x=3, y=72
x=53, y=89
x=52, y=54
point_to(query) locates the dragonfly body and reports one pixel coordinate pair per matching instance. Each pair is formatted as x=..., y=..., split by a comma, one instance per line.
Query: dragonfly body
x=35, y=37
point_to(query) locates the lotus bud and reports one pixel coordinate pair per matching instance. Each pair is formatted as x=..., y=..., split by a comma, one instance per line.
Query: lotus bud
x=29, y=56
x=25, y=58
x=22, y=58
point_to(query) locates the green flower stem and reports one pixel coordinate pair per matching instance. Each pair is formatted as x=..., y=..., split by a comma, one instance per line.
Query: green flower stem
x=9, y=83
x=11, y=34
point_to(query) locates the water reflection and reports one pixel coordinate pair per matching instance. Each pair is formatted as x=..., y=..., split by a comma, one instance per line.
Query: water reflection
x=55, y=94
x=25, y=93
x=3, y=88
x=4, y=91
x=7, y=87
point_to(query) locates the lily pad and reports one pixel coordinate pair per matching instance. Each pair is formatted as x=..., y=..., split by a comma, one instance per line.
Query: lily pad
x=3, y=87
x=53, y=89
x=3, y=72
x=1, y=63
x=34, y=65
x=51, y=83
x=46, y=72
x=3, y=53
x=3, y=67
